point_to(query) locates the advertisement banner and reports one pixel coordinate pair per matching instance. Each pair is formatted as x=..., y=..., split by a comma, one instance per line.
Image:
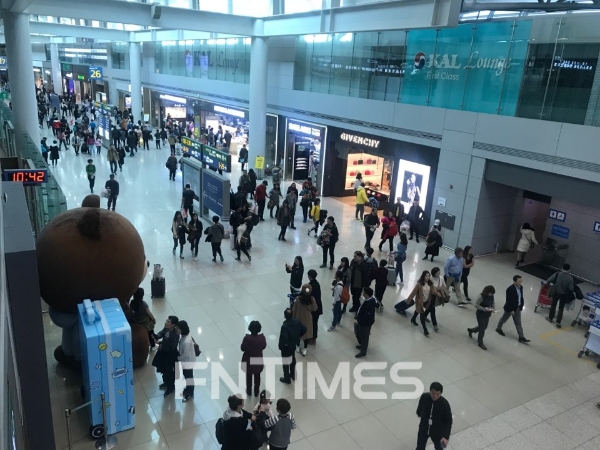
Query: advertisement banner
x=469, y=67
x=215, y=193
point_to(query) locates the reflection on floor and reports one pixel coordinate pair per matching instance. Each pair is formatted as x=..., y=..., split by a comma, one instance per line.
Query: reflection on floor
x=514, y=396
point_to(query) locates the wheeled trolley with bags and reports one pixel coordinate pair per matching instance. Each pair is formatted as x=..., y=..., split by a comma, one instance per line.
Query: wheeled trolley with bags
x=544, y=299
x=157, y=284
x=592, y=342
x=391, y=267
x=107, y=363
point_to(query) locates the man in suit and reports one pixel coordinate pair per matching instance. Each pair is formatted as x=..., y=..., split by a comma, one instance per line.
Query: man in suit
x=289, y=338
x=436, y=418
x=513, y=307
x=365, y=318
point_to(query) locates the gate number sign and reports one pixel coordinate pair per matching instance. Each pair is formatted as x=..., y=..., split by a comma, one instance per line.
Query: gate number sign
x=95, y=73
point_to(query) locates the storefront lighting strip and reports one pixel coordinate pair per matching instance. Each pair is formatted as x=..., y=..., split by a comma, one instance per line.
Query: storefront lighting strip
x=231, y=112
x=173, y=98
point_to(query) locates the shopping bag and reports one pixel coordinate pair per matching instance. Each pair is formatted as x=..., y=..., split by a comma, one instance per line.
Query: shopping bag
x=105, y=193
x=184, y=213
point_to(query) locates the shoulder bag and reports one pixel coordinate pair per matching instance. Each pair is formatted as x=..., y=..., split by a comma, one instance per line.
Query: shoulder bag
x=196, y=348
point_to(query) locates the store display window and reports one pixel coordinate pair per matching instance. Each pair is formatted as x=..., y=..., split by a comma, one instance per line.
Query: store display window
x=376, y=172
x=413, y=180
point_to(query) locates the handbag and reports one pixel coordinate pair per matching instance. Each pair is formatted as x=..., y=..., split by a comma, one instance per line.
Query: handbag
x=196, y=348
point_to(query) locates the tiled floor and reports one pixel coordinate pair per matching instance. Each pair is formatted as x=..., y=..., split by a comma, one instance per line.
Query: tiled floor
x=512, y=397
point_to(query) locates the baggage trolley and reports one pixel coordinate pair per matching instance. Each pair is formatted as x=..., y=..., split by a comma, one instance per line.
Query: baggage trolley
x=543, y=299
x=587, y=309
x=592, y=341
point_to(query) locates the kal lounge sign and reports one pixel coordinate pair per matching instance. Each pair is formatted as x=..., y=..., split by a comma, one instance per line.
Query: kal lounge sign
x=451, y=62
x=359, y=140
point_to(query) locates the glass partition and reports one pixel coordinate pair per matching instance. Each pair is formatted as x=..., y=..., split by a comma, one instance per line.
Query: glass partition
x=507, y=67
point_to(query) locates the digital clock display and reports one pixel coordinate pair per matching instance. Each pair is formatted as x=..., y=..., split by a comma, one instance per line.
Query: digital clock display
x=26, y=176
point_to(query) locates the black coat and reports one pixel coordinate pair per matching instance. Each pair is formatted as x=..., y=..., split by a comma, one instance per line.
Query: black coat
x=297, y=273
x=441, y=416
x=366, y=313
x=238, y=436
x=289, y=336
x=512, y=299
x=434, y=242
x=363, y=268
x=316, y=293
x=113, y=185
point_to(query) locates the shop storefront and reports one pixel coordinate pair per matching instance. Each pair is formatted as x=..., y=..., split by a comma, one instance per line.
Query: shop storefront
x=389, y=168
x=75, y=80
x=304, y=145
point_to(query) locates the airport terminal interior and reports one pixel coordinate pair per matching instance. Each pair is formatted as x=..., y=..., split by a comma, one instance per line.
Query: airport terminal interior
x=474, y=124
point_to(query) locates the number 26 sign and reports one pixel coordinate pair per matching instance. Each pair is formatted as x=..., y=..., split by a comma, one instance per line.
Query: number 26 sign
x=95, y=73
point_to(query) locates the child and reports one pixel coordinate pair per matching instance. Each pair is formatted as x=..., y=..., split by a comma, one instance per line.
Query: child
x=281, y=426
x=142, y=314
x=264, y=405
x=315, y=213
x=381, y=276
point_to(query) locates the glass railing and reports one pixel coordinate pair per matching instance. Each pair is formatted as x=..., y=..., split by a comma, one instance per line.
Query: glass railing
x=45, y=201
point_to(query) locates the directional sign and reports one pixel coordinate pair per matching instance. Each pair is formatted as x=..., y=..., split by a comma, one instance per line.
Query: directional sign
x=95, y=72
x=192, y=147
x=557, y=215
x=216, y=159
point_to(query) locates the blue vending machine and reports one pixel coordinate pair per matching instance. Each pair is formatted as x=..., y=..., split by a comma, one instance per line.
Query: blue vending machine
x=107, y=361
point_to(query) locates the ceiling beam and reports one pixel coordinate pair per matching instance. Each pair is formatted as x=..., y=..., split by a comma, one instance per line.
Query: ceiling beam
x=20, y=6
x=56, y=29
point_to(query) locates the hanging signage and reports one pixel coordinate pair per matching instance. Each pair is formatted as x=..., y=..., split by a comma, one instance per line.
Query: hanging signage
x=466, y=67
x=95, y=73
x=557, y=215
x=3, y=62
x=359, y=140
x=216, y=159
x=192, y=147
x=560, y=231
x=304, y=129
x=66, y=67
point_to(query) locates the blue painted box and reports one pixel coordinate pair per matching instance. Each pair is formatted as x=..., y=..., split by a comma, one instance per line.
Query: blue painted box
x=107, y=361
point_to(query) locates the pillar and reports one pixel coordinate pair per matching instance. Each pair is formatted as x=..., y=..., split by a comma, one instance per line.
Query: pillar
x=135, y=71
x=56, y=72
x=20, y=73
x=258, y=96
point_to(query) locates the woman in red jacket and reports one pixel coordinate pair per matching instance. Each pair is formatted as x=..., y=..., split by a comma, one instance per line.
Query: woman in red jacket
x=390, y=230
x=253, y=346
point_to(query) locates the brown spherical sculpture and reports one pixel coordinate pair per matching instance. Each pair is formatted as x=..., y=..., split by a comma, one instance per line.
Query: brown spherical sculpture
x=89, y=253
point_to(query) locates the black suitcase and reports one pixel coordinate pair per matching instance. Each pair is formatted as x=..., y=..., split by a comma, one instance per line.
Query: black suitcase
x=157, y=288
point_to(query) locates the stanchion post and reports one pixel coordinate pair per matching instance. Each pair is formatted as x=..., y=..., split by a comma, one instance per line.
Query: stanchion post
x=68, y=421
x=102, y=398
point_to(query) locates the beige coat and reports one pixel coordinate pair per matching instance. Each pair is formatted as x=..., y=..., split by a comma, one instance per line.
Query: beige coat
x=303, y=313
x=421, y=303
x=527, y=237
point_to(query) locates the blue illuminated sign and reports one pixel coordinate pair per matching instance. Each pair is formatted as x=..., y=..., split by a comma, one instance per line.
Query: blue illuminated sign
x=560, y=231
x=95, y=72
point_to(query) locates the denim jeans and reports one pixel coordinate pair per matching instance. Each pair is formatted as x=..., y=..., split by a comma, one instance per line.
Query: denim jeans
x=337, y=314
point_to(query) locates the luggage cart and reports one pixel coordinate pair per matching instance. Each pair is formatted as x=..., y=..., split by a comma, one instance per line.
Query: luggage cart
x=592, y=342
x=543, y=299
x=586, y=315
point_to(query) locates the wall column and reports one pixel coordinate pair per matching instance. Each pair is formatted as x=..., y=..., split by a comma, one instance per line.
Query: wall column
x=136, y=80
x=20, y=73
x=56, y=72
x=258, y=95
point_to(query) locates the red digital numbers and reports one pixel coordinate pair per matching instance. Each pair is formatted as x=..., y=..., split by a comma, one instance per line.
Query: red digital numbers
x=39, y=177
x=26, y=176
x=19, y=176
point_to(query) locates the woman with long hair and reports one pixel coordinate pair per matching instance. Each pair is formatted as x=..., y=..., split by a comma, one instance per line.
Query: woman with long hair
x=304, y=306
x=296, y=272
x=344, y=268
x=464, y=279
x=195, y=233
x=438, y=283
x=484, y=307
x=179, y=230
x=187, y=357
x=141, y=314
x=526, y=243
x=421, y=294
x=401, y=256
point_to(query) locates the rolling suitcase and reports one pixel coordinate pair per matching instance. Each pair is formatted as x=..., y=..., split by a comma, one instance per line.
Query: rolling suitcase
x=157, y=288
x=391, y=278
x=107, y=363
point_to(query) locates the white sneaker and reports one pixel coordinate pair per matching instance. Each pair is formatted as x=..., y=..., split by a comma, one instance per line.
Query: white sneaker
x=298, y=349
x=331, y=329
x=303, y=351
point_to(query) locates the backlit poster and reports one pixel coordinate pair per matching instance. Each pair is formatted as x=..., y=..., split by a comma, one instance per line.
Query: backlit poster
x=412, y=183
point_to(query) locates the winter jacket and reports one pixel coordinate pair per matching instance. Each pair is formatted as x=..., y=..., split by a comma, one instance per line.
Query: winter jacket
x=527, y=238
x=261, y=192
x=361, y=196
x=253, y=346
x=365, y=316
x=303, y=313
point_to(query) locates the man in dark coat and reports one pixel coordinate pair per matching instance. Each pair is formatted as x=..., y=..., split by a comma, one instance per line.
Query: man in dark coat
x=436, y=418
x=365, y=318
x=113, y=186
x=166, y=356
x=289, y=339
x=359, y=280
x=513, y=307
x=415, y=214
x=316, y=293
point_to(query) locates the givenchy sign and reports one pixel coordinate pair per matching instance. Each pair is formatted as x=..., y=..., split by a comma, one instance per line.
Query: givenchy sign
x=360, y=140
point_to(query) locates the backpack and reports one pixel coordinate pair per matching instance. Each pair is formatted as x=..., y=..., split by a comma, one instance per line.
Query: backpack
x=345, y=297
x=220, y=431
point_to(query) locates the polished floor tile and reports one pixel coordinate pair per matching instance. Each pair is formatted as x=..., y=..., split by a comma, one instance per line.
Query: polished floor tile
x=512, y=397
